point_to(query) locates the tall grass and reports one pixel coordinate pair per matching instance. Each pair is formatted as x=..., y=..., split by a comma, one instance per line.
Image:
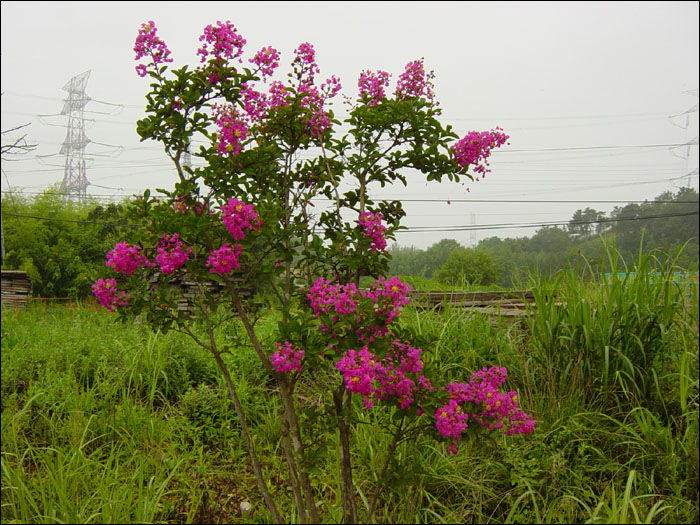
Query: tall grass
x=134, y=426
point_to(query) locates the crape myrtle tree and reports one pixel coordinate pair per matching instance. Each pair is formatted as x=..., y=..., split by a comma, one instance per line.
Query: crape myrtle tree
x=247, y=217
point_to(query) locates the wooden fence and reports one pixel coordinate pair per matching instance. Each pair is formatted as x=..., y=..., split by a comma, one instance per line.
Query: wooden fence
x=512, y=303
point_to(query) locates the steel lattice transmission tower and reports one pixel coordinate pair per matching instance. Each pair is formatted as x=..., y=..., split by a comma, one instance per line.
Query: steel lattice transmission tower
x=75, y=181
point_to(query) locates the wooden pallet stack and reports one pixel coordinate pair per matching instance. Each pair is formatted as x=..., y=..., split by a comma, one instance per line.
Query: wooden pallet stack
x=514, y=303
x=188, y=290
x=16, y=288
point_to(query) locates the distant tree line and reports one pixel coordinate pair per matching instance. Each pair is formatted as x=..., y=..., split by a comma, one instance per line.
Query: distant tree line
x=64, y=251
x=666, y=223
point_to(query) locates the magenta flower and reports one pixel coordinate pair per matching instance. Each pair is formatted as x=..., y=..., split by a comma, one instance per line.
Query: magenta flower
x=171, y=253
x=305, y=63
x=372, y=228
x=359, y=370
x=238, y=216
x=126, y=258
x=226, y=43
x=487, y=405
x=475, y=149
x=255, y=104
x=325, y=296
x=225, y=259
x=267, y=60
x=390, y=295
x=372, y=86
x=414, y=82
x=277, y=96
x=287, y=357
x=232, y=130
x=450, y=420
x=106, y=292
x=148, y=44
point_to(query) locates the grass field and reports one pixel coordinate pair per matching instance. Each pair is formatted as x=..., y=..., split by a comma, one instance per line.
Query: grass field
x=105, y=422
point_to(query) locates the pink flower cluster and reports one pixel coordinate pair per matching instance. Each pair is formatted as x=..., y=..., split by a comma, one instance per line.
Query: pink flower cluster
x=267, y=60
x=238, y=216
x=232, y=130
x=373, y=378
x=372, y=86
x=414, y=82
x=171, y=253
x=372, y=228
x=255, y=104
x=225, y=259
x=287, y=358
x=481, y=400
x=394, y=379
x=324, y=296
x=126, y=258
x=305, y=63
x=225, y=41
x=475, y=149
x=106, y=292
x=389, y=295
x=148, y=44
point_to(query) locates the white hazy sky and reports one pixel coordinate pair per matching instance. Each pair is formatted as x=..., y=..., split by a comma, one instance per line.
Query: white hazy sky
x=558, y=77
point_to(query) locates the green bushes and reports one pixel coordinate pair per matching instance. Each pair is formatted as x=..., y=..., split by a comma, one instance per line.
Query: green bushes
x=123, y=425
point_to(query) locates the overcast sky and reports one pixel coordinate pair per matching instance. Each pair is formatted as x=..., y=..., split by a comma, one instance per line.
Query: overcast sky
x=591, y=94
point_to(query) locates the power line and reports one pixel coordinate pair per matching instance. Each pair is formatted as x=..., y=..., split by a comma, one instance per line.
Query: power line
x=418, y=229
x=536, y=201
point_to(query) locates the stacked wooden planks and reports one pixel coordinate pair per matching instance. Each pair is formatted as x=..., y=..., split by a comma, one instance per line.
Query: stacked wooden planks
x=512, y=303
x=16, y=288
x=188, y=290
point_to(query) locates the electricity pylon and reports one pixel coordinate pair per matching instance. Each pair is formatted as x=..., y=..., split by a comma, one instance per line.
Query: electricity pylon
x=75, y=181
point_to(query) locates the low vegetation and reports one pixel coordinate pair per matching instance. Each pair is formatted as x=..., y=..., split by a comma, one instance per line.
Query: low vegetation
x=105, y=422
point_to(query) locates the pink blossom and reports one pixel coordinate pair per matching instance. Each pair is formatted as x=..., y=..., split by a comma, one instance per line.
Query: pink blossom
x=125, y=258
x=171, y=253
x=225, y=259
x=232, y=130
x=267, y=60
x=287, y=357
x=238, y=216
x=359, y=370
x=414, y=82
x=390, y=295
x=331, y=87
x=491, y=408
x=317, y=120
x=148, y=44
x=226, y=43
x=372, y=86
x=372, y=228
x=255, y=104
x=450, y=420
x=305, y=63
x=277, y=97
x=106, y=292
x=475, y=149
x=324, y=296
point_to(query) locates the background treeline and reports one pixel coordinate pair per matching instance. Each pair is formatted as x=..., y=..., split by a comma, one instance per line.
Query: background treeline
x=62, y=245
x=664, y=224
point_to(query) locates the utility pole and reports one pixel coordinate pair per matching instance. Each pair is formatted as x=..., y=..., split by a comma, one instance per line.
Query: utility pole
x=75, y=181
